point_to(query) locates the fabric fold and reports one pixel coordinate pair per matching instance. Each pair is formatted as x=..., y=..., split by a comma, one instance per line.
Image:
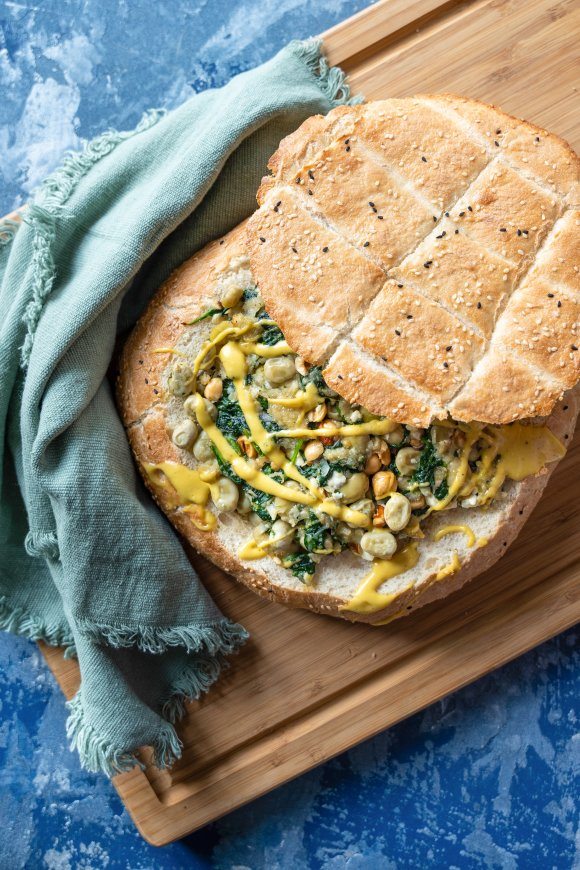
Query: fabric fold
x=87, y=560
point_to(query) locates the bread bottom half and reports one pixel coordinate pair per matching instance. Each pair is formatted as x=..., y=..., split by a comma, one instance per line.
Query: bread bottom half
x=148, y=411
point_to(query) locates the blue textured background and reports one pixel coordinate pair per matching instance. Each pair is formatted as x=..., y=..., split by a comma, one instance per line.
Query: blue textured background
x=485, y=778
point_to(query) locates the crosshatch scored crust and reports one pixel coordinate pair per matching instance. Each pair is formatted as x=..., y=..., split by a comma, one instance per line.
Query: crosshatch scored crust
x=144, y=407
x=427, y=251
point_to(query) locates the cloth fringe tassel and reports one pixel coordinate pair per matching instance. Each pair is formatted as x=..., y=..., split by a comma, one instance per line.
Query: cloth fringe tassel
x=331, y=79
x=18, y=621
x=42, y=215
x=98, y=753
x=222, y=637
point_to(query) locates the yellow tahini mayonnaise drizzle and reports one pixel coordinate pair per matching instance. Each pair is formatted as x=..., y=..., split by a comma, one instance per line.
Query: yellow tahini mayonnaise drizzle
x=189, y=487
x=367, y=598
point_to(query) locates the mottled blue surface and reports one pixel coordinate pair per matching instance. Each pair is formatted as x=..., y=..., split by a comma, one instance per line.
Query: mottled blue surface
x=486, y=778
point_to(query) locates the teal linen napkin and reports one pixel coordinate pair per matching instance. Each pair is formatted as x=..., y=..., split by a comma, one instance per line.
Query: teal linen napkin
x=86, y=559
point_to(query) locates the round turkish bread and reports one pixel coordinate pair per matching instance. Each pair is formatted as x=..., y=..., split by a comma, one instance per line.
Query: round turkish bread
x=207, y=378
x=426, y=252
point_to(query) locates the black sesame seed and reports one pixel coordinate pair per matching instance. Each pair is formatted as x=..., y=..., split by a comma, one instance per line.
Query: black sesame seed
x=537, y=138
x=310, y=193
x=380, y=217
x=346, y=141
x=503, y=229
x=461, y=213
x=521, y=513
x=325, y=249
x=427, y=263
x=399, y=285
x=435, y=218
x=573, y=346
x=397, y=331
x=497, y=132
x=140, y=362
x=456, y=232
x=146, y=381
x=156, y=392
x=519, y=232
x=496, y=143
x=479, y=304
x=469, y=208
x=424, y=159
x=445, y=365
x=298, y=180
x=366, y=244
x=446, y=214
x=262, y=239
x=340, y=378
x=310, y=175
x=347, y=148
x=294, y=249
x=372, y=205
x=565, y=408
x=550, y=295
x=559, y=304
x=222, y=241
x=409, y=316
x=449, y=347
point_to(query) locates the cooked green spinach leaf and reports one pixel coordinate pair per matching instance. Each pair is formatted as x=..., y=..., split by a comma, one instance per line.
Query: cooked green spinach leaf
x=271, y=335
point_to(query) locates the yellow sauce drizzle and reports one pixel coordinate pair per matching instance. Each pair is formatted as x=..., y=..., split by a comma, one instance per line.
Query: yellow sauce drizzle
x=372, y=427
x=367, y=598
x=251, y=550
x=305, y=400
x=268, y=351
x=451, y=530
x=452, y=568
x=188, y=485
x=234, y=363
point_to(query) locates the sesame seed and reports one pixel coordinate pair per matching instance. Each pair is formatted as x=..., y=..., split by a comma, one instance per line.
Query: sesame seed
x=449, y=347
x=427, y=263
x=372, y=205
x=380, y=217
x=325, y=249
x=310, y=193
x=399, y=286
x=446, y=214
x=366, y=244
x=573, y=346
x=469, y=208
x=310, y=175
x=503, y=229
x=445, y=365
x=262, y=239
x=397, y=331
x=424, y=159
x=409, y=316
x=435, y=218
x=347, y=148
x=456, y=232
x=559, y=304
x=550, y=295
x=295, y=251
x=496, y=143
x=298, y=180
x=461, y=213
x=479, y=304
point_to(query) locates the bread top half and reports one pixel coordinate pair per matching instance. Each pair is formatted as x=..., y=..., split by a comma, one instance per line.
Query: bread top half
x=426, y=251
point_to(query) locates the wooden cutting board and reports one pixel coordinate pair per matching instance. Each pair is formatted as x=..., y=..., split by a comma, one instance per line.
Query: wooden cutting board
x=307, y=687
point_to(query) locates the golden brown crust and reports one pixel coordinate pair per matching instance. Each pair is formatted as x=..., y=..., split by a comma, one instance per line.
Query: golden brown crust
x=458, y=202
